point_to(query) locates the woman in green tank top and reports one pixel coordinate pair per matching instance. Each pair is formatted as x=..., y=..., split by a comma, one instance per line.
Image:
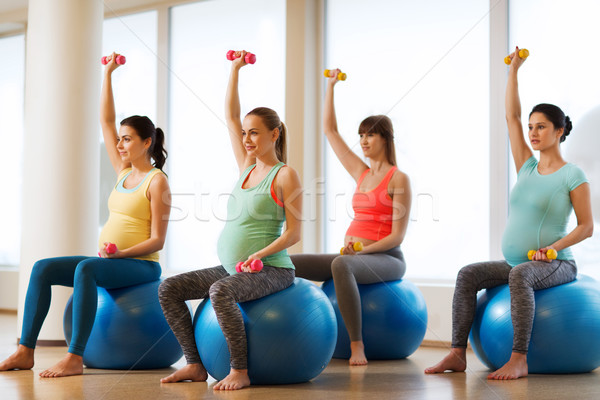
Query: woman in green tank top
x=266, y=194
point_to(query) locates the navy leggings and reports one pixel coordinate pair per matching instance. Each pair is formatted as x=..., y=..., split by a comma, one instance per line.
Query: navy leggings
x=84, y=275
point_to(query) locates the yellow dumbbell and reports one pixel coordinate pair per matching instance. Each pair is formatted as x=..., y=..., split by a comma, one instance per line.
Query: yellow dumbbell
x=357, y=246
x=523, y=53
x=329, y=74
x=550, y=253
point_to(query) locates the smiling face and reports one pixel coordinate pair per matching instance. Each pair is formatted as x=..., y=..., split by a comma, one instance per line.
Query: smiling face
x=131, y=146
x=256, y=137
x=542, y=133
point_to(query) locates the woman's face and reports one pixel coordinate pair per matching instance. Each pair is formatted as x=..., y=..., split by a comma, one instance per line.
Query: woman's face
x=373, y=145
x=542, y=134
x=131, y=146
x=256, y=137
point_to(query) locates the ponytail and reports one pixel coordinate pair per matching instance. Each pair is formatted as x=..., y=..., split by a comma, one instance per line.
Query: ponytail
x=281, y=144
x=158, y=152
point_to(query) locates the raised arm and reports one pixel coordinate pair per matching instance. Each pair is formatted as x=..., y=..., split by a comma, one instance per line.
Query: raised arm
x=519, y=148
x=233, y=115
x=107, y=116
x=351, y=162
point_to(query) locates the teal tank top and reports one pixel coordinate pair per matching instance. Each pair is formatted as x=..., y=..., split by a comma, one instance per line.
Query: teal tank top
x=540, y=206
x=254, y=220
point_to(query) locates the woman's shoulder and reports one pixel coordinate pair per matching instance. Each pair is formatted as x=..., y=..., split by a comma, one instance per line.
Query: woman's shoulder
x=400, y=178
x=286, y=174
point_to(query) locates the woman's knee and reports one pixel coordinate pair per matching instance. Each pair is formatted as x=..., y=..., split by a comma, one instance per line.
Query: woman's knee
x=220, y=291
x=86, y=270
x=519, y=275
x=167, y=290
x=340, y=266
x=41, y=268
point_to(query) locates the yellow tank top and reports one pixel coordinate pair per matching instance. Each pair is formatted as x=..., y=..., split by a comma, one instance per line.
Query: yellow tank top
x=129, y=221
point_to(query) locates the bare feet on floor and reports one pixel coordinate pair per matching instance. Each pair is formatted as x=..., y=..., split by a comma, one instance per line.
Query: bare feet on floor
x=70, y=365
x=456, y=361
x=191, y=372
x=515, y=368
x=237, y=379
x=357, y=353
x=20, y=359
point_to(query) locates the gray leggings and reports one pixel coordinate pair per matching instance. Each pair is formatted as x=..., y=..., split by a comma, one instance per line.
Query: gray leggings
x=522, y=280
x=346, y=272
x=225, y=291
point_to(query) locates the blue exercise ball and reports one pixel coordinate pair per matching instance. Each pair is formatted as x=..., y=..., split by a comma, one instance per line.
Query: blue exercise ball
x=291, y=336
x=394, y=320
x=129, y=332
x=566, y=328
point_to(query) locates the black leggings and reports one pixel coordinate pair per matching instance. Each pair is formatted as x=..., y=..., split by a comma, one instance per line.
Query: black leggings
x=225, y=292
x=347, y=272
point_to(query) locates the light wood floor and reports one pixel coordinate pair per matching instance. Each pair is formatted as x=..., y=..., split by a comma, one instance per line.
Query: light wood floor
x=401, y=379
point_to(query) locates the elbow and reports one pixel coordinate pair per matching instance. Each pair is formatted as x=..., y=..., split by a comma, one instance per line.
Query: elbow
x=590, y=230
x=159, y=243
x=295, y=237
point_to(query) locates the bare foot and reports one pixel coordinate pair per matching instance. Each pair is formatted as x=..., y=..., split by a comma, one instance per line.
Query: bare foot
x=20, y=359
x=357, y=353
x=456, y=361
x=191, y=372
x=237, y=379
x=71, y=364
x=515, y=368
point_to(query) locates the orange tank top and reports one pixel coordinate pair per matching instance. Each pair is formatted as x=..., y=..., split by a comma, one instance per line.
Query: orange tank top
x=373, y=211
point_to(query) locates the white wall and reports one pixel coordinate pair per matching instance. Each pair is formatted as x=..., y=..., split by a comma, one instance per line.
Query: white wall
x=9, y=288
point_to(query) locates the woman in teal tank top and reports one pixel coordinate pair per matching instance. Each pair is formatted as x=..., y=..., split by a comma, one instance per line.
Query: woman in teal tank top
x=266, y=194
x=540, y=205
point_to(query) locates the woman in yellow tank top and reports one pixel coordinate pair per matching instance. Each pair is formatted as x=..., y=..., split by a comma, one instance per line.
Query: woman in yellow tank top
x=139, y=213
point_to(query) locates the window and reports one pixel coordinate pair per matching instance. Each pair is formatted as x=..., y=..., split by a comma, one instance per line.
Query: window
x=203, y=169
x=12, y=78
x=562, y=70
x=425, y=65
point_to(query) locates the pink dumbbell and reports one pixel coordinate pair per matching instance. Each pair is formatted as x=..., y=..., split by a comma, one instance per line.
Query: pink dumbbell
x=111, y=248
x=250, y=58
x=255, y=265
x=119, y=60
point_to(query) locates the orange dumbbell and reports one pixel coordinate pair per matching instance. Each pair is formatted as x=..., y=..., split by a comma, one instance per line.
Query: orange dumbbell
x=550, y=253
x=329, y=74
x=523, y=53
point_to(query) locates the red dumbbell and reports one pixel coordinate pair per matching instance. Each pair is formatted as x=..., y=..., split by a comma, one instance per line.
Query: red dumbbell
x=119, y=60
x=111, y=248
x=250, y=58
x=255, y=265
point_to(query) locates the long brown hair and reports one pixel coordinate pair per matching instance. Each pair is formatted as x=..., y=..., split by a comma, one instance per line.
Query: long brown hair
x=381, y=125
x=271, y=120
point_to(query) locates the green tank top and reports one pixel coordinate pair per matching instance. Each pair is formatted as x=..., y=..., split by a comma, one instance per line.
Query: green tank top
x=254, y=220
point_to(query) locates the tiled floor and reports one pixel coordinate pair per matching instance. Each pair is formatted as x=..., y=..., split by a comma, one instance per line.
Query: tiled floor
x=401, y=379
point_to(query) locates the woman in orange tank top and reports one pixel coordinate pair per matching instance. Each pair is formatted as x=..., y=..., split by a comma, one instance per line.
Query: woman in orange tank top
x=381, y=206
